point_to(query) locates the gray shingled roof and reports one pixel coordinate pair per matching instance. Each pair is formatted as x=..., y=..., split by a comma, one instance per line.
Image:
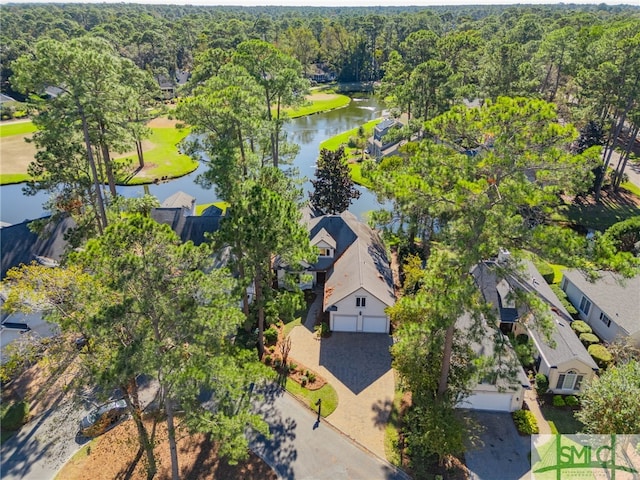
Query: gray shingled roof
x=486, y=347
x=340, y=231
x=194, y=228
x=566, y=345
x=179, y=199
x=616, y=296
x=323, y=236
x=21, y=246
x=363, y=264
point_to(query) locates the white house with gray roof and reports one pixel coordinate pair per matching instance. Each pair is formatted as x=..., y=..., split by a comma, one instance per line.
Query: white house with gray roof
x=354, y=271
x=610, y=304
x=559, y=353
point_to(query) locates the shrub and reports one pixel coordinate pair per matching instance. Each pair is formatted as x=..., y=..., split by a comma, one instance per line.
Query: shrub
x=267, y=360
x=579, y=327
x=322, y=329
x=558, y=401
x=588, y=339
x=312, y=377
x=572, y=400
x=546, y=271
x=271, y=335
x=542, y=383
x=526, y=422
x=304, y=380
x=293, y=367
x=562, y=296
x=15, y=416
x=600, y=354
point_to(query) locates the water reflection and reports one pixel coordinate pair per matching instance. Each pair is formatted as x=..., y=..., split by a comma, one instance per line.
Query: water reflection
x=308, y=132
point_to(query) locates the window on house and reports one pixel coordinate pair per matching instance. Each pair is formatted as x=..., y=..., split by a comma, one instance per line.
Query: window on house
x=569, y=381
x=606, y=320
x=324, y=252
x=361, y=302
x=585, y=305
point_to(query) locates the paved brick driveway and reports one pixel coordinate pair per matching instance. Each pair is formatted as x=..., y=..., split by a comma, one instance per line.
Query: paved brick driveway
x=358, y=366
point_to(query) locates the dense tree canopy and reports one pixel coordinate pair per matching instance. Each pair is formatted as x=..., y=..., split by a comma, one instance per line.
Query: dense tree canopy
x=333, y=189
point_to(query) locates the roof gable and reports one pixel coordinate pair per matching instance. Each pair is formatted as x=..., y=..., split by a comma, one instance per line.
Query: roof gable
x=564, y=345
x=323, y=238
x=363, y=264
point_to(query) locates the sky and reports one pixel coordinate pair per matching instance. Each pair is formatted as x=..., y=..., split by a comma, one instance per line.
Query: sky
x=336, y=3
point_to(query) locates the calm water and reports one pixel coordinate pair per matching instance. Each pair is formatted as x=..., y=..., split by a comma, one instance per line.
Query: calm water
x=308, y=132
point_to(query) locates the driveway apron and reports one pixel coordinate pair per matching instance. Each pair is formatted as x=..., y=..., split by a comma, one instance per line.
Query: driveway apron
x=358, y=366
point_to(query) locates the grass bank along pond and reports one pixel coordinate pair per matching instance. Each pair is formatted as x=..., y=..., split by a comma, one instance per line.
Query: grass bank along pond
x=308, y=132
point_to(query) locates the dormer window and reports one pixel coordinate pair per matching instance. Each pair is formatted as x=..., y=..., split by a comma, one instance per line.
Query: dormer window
x=325, y=252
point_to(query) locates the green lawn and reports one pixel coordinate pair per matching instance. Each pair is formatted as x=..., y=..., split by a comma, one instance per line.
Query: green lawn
x=317, y=106
x=20, y=128
x=598, y=217
x=165, y=157
x=356, y=175
x=11, y=178
x=334, y=143
x=327, y=393
x=631, y=187
x=221, y=205
x=563, y=420
x=291, y=325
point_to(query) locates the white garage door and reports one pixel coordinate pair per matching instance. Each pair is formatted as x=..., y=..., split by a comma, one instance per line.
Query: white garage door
x=344, y=323
x=497, y=402
x=374, y=324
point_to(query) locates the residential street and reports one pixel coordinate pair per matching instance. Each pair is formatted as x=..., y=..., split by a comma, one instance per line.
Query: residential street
x=296, y=449
x=301, y=450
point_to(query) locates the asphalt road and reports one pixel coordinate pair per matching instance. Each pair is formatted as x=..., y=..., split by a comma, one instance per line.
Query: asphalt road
x=301, y=449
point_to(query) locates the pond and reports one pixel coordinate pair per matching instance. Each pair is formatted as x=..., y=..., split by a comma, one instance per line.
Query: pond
x=308, y=132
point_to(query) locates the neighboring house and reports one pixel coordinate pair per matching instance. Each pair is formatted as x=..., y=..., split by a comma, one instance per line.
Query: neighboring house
x=320, y=73
x=561, y=357
x=21, y=246
x=500, y=389
x=169, y=86
x=6, y=99
x=379, y=146
x=354, y=271
x=610, y=304
x=181, y=200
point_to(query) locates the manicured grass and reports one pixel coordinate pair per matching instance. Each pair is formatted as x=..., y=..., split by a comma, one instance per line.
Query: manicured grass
x=334, y=143
x=290, y=326
x=221, y=205
x=563, y=420
x=327, y=393
x=164, y=158
x=597, y=217
x=356, y=175
x=11, y=178
x=19, y=128
x=322, y=105
x=631, y=187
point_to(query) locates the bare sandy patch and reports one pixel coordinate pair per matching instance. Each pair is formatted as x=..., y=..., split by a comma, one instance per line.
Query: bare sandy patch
x=146, y=146
x=162, y=122
x=16, y=154
x=321, y=96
